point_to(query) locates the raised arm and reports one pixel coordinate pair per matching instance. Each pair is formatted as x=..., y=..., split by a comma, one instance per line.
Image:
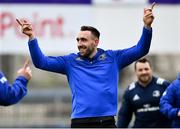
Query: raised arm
x=54, y=64
x=11, y=94
x=127, y=56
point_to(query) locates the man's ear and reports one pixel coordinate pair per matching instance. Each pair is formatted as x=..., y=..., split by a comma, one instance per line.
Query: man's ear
x=96, y=42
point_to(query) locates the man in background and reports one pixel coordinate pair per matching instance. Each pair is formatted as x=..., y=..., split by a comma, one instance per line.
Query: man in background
x=142, y=98
x=11, y=94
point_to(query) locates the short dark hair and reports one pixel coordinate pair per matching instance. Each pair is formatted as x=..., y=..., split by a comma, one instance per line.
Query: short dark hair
x=93, y=30
x=142, y=60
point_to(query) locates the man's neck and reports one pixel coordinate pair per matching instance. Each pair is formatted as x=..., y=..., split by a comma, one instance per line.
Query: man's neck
x=93, y=54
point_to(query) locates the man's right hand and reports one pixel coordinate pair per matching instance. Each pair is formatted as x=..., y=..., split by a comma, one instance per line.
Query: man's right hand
x=26, y=28
x=25, y=70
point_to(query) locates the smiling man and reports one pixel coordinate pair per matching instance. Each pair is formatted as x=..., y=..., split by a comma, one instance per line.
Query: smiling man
x=92, y=73
x=142, y=98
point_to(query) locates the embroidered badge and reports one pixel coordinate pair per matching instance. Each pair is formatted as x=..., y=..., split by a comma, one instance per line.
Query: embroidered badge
x=102, y=57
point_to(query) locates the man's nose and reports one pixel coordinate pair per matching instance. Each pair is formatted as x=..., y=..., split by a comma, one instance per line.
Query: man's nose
x=80, y=43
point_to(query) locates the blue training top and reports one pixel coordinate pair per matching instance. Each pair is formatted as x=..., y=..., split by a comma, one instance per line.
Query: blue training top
x=170, y=102
x=11, y=94
x=93, y=82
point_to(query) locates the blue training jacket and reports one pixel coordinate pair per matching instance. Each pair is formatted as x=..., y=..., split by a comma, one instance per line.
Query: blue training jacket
x=93, y=82
x=170, y=102
x=11, y=94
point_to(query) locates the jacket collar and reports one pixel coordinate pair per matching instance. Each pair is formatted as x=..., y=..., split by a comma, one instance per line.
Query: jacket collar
x=99, y=52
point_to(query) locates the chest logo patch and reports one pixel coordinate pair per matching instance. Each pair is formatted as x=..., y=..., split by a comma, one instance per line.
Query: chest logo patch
x=156, y=93
x=102, y=57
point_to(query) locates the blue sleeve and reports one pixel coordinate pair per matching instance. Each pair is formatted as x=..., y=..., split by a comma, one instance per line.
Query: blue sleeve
x=49, y=63
x=167, y=102
x=125, y=112
x=11, y=94
x=127, y=56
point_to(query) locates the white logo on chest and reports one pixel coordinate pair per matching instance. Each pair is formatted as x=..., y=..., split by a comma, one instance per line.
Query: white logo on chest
x=156, y=93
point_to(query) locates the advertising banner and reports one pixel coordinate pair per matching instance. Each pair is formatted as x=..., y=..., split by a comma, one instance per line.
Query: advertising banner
x=55, y=27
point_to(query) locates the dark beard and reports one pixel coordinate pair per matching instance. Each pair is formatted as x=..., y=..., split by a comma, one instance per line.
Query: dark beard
x=145, y=81
x=89, y=51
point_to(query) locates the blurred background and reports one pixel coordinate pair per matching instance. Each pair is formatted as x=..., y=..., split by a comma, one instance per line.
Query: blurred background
x=56, y=23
